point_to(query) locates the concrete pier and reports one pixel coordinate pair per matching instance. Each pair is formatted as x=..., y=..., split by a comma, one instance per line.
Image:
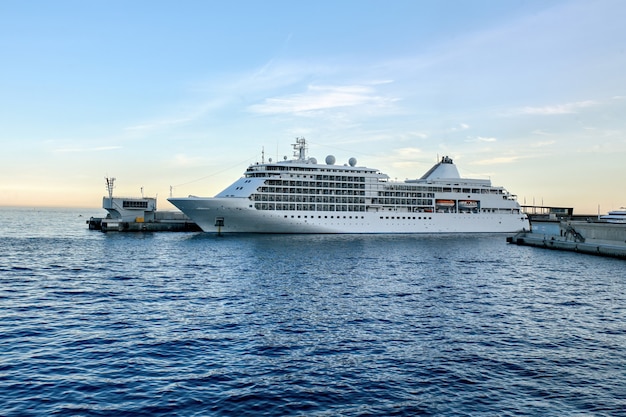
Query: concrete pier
x=162, y=221
x=138, y=214
x=594, y=238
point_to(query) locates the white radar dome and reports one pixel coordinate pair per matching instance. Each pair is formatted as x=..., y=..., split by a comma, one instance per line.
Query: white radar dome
x=313, y=161
x=352, y=161
x=330, y=160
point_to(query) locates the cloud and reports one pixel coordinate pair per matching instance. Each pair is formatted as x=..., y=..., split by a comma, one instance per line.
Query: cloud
x=418, y=135
x=567, y=108
x=96, y=149
x=409, y=153
x=542, y=144
x=322, y=98
x=497, y=160
x=158, y=124
x=191, y=114
x=458, y=128
x=541, y=133
x=182, y=160
x=480, y=139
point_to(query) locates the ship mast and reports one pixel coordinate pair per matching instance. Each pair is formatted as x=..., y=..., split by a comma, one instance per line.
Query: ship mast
x=299, y=149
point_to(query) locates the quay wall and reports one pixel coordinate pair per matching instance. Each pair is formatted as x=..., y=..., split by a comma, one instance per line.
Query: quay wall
x=600, y=231
x=603, y=239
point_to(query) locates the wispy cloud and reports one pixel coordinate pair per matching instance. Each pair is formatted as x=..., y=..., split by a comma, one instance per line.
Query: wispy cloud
x=481, y=139
x=183, y=160
x=542, y=144
x=158, y=124
x=96, y=149
x=541, y=133
x=497, y=160
x=567, y=108
x=321, y=98
x=408, y=153
x=458, y=128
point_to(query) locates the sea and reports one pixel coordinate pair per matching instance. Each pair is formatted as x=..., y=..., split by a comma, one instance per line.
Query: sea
x=192, y=324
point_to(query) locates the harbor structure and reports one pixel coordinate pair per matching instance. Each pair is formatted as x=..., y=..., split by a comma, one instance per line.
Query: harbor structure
x=137, y=214
x=601, y=235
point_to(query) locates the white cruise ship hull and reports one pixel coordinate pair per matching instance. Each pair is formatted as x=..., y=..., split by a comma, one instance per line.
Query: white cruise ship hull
x=238, y=215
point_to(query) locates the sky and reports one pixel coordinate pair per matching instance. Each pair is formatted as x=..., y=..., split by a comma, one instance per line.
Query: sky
x=178, y=98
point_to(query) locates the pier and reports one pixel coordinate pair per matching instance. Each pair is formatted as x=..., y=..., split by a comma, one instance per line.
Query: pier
x=583, y=234
x=138, y=214
x=164, y=221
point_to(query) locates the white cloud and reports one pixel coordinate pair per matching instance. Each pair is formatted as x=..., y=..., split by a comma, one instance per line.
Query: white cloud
x=541, y=133
x=542, y=144
x=481, y=139
x=321, y=98
x=409, y=153
x=96, y=149
x=497, y=160
x=567, y=108
x=182, y=160
x=458, y=128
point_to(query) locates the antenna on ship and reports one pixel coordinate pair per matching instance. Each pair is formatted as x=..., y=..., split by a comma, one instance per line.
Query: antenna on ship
x=263, y=154
x=299, y=149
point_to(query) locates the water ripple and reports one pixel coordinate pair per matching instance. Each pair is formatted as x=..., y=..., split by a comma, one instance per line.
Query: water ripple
x=96, y=324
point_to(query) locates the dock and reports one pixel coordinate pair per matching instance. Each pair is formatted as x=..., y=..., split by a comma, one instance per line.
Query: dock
x=138, y=214
x=164, y=221
x=590, y=236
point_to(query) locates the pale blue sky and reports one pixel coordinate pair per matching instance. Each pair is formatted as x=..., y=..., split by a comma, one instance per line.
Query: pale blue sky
x=186, y=94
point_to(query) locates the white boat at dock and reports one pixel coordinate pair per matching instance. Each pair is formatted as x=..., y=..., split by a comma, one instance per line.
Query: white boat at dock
x=615, y=216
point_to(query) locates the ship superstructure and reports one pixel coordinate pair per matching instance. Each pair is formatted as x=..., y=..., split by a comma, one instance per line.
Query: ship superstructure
x=303, y=196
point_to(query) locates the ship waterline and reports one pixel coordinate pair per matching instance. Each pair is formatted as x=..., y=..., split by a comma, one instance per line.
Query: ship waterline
x=302, y=196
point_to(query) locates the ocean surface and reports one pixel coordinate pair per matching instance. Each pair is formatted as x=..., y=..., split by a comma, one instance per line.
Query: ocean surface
x=190, y=324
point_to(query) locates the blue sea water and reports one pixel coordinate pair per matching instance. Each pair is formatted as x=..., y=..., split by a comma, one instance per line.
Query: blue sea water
x=190, y=324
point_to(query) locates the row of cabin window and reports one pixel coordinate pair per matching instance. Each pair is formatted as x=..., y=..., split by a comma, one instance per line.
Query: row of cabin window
x=319, y=179
x=318, y=184
x=423, y=188
x=403, y=201
x=305, y=199
x=308, y=207
x=254, y=168
x=312, y=191
x=326, y=217
x=398, y=194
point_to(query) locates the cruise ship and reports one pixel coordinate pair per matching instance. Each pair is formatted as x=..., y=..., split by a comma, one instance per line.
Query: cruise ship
x=303, y=196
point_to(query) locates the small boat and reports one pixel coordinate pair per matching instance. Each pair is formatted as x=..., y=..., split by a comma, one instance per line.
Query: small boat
x=444, y=203
x=615, y=216
x=468, y=204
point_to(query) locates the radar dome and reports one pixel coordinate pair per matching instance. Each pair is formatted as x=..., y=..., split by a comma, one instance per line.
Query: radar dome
x=313, y=161
x=330, y=160
x=352, y=161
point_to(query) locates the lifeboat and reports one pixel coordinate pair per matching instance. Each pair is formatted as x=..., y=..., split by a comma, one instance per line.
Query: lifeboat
x=444, y=203
x=468, y=204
